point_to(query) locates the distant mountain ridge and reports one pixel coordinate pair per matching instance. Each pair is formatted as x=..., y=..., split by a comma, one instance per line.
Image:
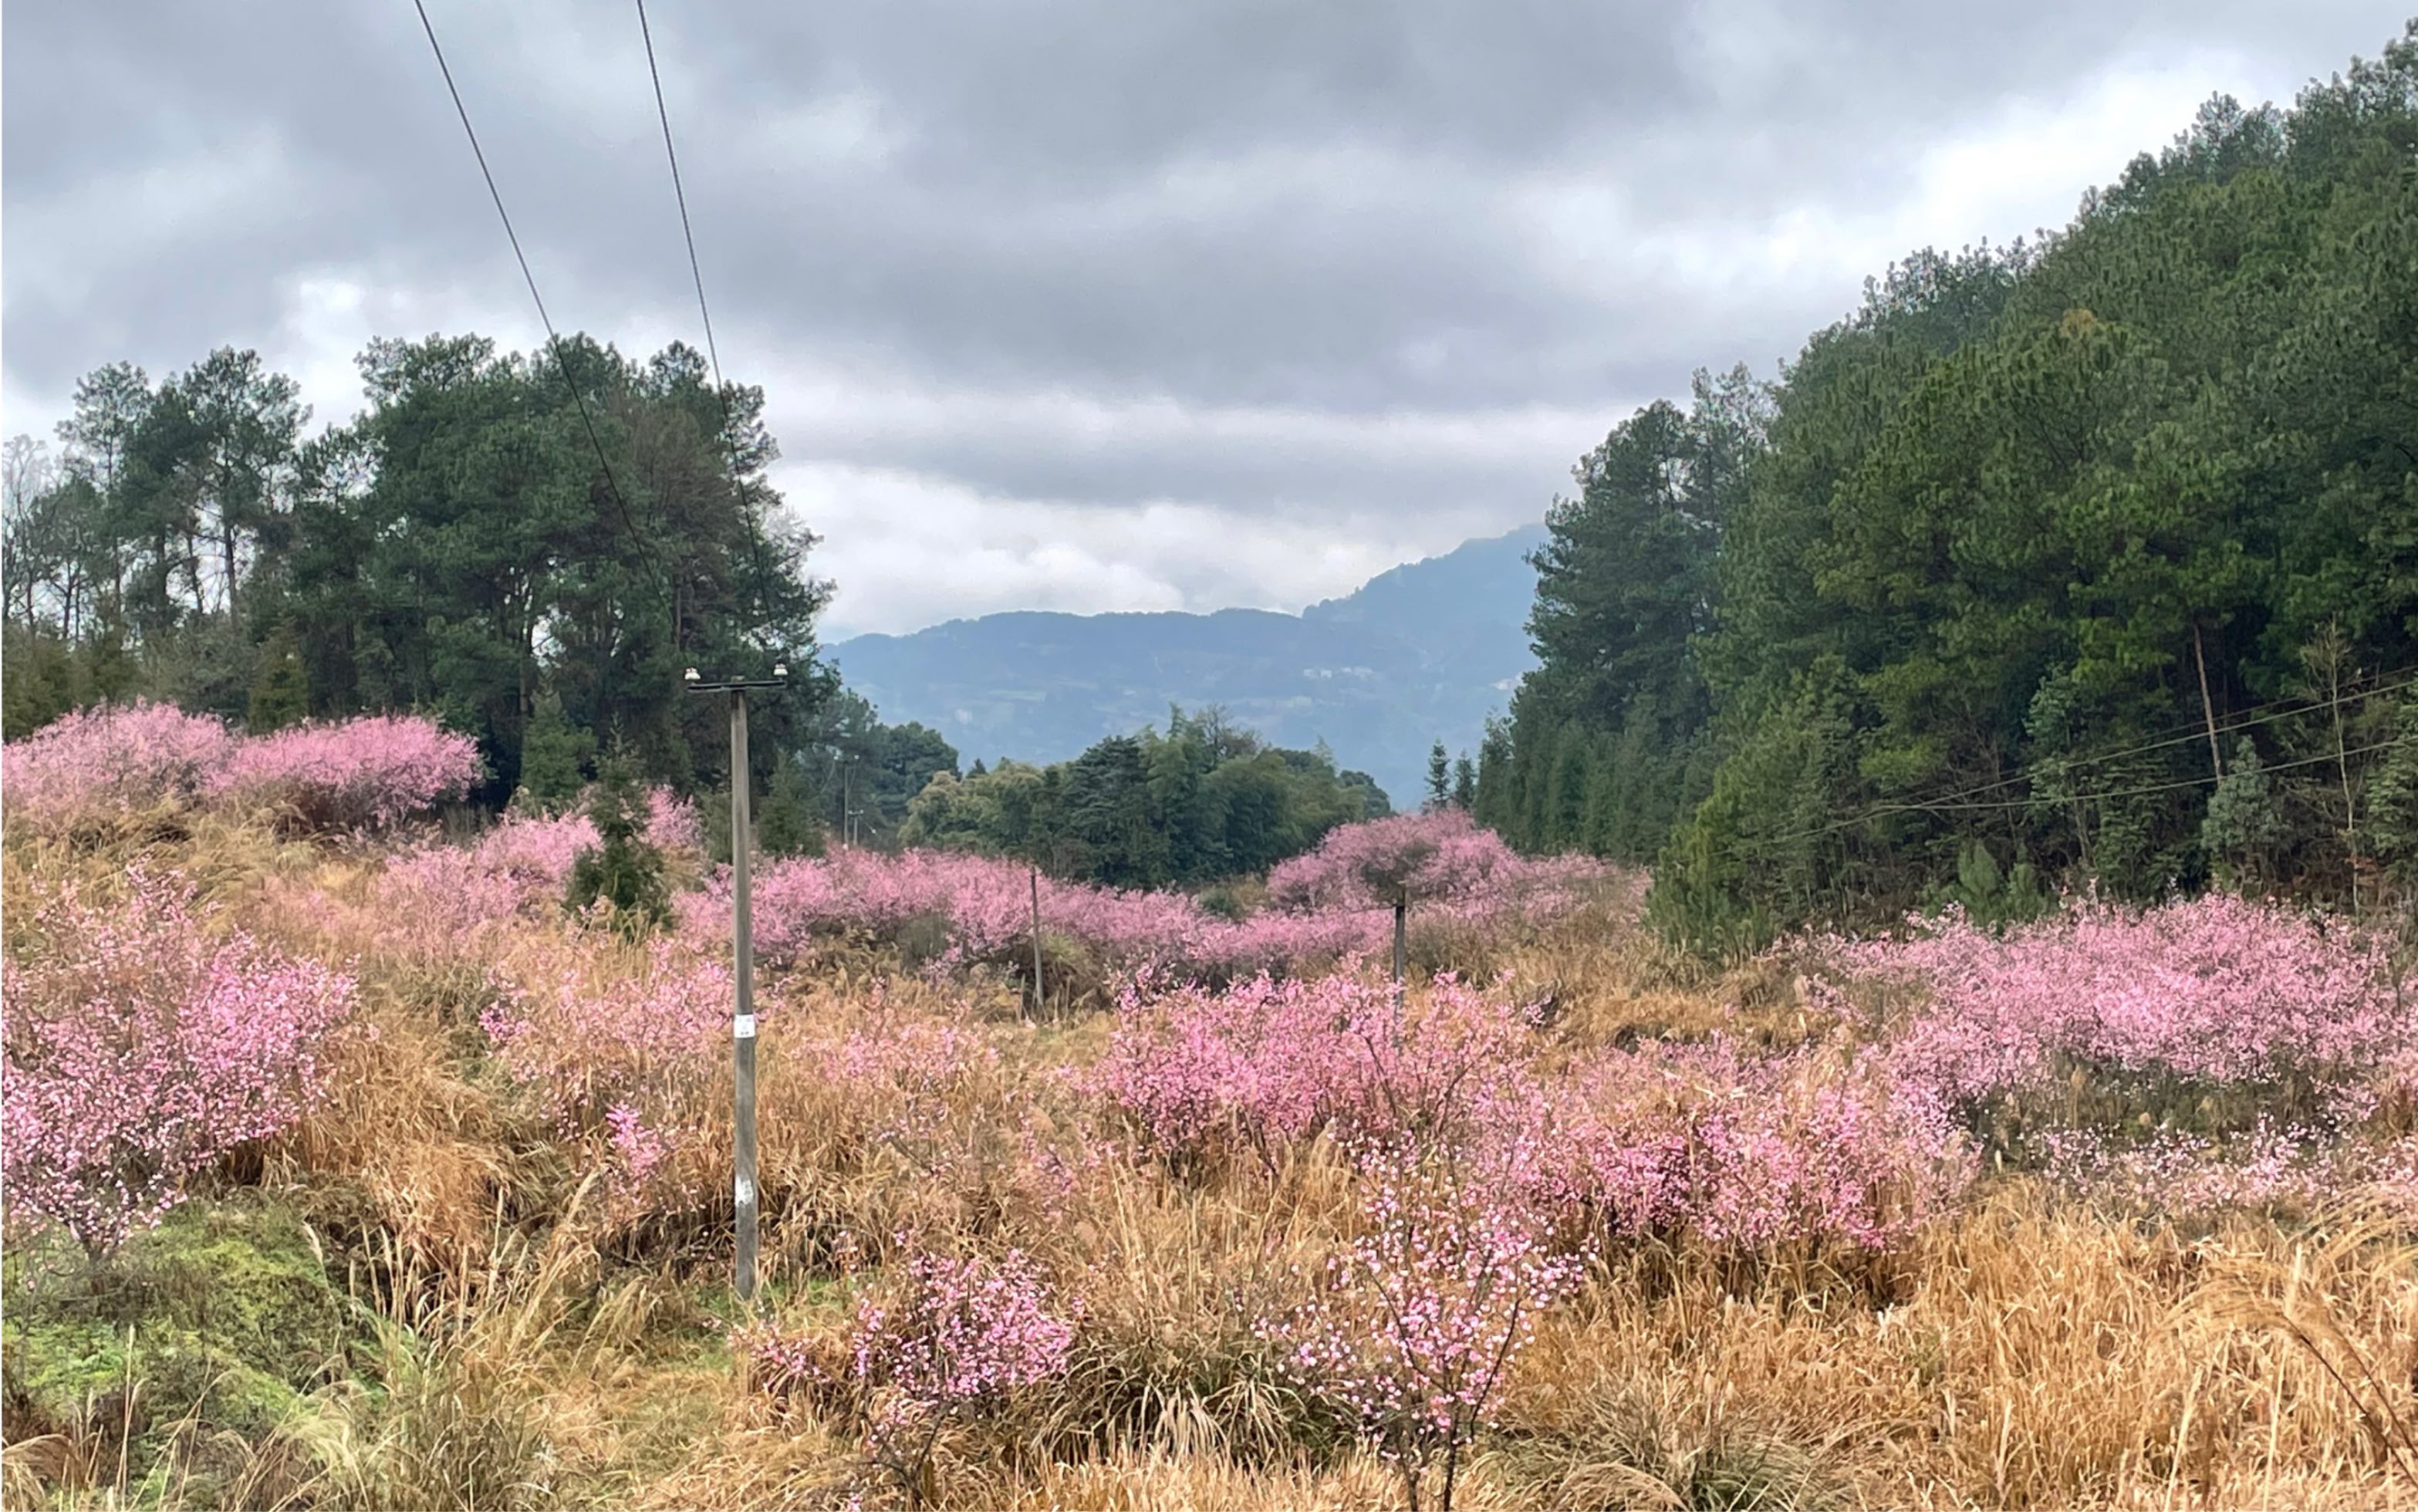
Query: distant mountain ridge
x=1419, y=653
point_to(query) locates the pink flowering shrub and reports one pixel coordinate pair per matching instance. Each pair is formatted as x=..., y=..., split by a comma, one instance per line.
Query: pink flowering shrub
x=355, y=773
x=956, y=1341
x=587, y=1041
x=986, y=906
x=2268, y=1168
x=895, y=1073
x=1414, y=1328
x=2169, y=1007
x=521, y=866
x=1436, y=856
x=141, y=1051
x=1741, y=1150
x=100, y=762
x=674, y=826
x=367, y=773
x=439, y=896
x=1266, y=1062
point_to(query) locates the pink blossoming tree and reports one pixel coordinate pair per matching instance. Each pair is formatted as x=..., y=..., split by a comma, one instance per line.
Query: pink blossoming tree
x=957, y=1340
x=141, y=1049
x=1414, y=1328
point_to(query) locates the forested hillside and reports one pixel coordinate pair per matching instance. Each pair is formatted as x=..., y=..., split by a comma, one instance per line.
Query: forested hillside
x=2090, y=560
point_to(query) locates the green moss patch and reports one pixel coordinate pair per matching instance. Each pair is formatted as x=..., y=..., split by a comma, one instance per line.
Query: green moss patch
x=218, y=1322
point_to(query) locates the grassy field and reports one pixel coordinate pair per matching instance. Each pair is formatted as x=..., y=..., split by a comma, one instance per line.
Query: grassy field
x=462, y=1279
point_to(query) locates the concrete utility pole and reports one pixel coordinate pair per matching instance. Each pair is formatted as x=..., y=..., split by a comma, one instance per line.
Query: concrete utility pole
x=742, y=948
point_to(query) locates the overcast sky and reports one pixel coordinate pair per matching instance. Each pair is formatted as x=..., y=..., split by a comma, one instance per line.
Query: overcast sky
x=1084, y=306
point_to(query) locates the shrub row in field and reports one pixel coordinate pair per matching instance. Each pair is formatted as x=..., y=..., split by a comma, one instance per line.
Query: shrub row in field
x=1326, y=906
x=95, y=767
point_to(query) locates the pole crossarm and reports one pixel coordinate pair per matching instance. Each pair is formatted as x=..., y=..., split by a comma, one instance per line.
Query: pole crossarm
x=780, y=678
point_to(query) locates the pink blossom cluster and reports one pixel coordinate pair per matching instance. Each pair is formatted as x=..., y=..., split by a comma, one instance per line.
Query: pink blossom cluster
x=781, y=1365
x=674, y=826
x=1440, y=855
x=519, y=866
x=1742, y=1149
x=110, y=759
x=353, y=774
x=586, y=1041
x=637, y=1149
x=1414, y=1328
x=1736, y=1148
x=142, y=1049
x=2212, y=990
x=367, y=772
x=961, y=1330
x=2270, y=1165
x=1268, y=1061
x=899, y=1071
x=436, y=897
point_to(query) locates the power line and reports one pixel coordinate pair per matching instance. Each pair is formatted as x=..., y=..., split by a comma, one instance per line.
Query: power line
x=680, y=196
x=1950, y=805
x=2177, y=783
x=2189, y=733
x=554, y=340
x=697, y=275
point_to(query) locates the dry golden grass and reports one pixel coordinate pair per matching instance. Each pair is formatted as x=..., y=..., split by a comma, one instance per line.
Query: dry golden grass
x=534, y=1347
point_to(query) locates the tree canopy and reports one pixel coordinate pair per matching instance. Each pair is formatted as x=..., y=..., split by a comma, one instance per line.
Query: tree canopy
x=1202, y=800
x=502, y=539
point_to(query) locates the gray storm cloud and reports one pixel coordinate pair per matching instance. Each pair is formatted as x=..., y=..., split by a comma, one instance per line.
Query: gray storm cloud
x=1083, y=290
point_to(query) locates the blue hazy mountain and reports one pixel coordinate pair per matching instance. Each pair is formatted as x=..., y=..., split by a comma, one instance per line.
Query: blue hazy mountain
x=1421, y=652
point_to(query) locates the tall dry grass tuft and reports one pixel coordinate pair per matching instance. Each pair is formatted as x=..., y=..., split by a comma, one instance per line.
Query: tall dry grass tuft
x=2324, y=1302
x=1169, y=1356
x=454, y=1411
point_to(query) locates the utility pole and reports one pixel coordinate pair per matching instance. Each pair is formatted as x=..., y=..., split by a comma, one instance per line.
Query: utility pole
x=1401, y=944
x=742, y=949
x=1034, y=870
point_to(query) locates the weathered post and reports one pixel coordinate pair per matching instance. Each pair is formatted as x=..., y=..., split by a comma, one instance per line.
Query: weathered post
x=742, y=1023
x=743, y=951
x=1401, y=944
x=1034, y=872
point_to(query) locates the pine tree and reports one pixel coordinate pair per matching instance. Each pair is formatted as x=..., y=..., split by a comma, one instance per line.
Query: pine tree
x=787, y=825
x=623, y=870
x=281, y=694
x=2393, y=798
x=1439, y=777
x=554, y=758
x=1464, y=783
x=2243, y=828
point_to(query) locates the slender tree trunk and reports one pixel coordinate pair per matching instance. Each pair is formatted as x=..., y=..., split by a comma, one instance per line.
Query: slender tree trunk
x=2207, y=708
x=2342, y=767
